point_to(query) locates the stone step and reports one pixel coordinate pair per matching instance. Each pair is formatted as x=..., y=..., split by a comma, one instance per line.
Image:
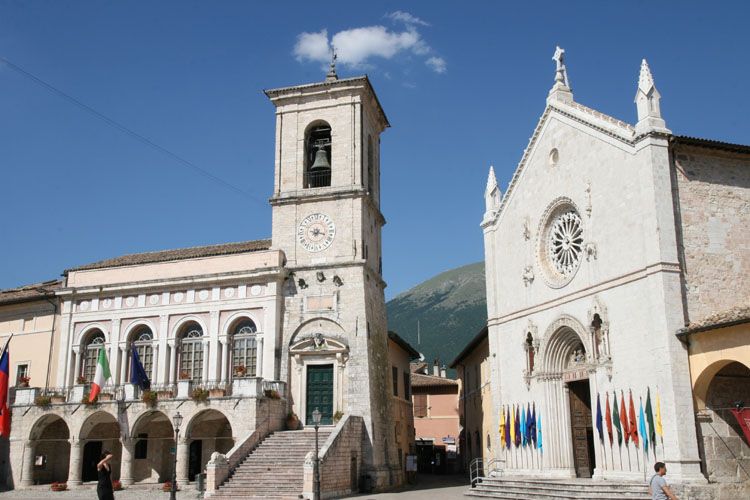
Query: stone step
x=525, y=488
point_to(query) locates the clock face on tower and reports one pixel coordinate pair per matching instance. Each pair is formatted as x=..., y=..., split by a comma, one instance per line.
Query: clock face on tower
x=316, y=232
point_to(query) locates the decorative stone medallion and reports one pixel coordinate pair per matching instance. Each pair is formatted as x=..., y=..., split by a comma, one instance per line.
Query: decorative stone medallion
x=255, y=290
x=229, y=293
x=153, y=300
x=203, y=295
x=130, y=301
x=107, y=303
x=178, y=296
x=84, y=305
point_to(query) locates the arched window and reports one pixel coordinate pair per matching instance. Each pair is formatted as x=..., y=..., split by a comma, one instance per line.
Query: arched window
x=318, y=156
x=244, y=348
x=94, y=342
x=191, y=352
x=142, y=340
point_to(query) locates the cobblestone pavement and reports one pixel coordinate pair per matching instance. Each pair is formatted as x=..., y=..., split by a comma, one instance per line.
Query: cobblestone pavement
x=427, y=486
x=432, y=487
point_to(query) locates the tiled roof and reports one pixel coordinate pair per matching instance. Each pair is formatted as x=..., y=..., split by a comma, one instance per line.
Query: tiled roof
x=178, y=254
x=26, y=293
x=413, y=354
x=419, y=380
x=709, y=143
x=735, y=316
x=478, y=339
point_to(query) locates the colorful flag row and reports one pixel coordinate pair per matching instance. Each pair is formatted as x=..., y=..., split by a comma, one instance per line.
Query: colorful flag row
x=630, y=427
x=520, y=426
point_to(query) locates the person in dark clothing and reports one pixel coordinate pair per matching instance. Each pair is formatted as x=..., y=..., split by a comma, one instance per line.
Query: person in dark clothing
x=104, y=474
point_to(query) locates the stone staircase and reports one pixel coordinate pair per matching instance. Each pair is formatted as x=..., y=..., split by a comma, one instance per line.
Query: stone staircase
x=274, y=469
x=526, y=488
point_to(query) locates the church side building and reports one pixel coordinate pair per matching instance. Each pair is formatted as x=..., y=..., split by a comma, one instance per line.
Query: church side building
x=236, y=337
x=601, y=249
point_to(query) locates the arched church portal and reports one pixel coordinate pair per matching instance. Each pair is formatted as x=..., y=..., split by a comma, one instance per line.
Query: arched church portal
x=567, y=391
x=318, y=357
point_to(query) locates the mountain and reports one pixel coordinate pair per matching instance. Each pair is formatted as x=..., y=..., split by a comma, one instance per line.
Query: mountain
x=451, y=309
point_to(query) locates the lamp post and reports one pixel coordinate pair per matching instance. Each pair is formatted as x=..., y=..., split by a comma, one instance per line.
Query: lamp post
x=316, y=481
x=177, y=420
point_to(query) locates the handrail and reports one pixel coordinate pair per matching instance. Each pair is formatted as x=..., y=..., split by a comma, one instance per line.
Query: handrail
x=478, y=469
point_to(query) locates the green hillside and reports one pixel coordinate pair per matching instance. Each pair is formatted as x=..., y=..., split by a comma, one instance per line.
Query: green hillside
x=451, y=309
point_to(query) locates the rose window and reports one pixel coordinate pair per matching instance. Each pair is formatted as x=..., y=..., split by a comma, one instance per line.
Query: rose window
x=565, y=244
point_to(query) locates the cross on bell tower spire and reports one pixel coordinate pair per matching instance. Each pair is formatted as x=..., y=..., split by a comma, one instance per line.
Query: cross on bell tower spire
x=332, y=76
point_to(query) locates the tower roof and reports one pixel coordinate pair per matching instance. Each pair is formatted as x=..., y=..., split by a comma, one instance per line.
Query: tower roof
x=645, y=79
x=342, y=84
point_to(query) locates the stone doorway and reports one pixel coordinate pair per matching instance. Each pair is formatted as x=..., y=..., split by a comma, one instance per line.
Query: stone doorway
x=581, y=428
x=319, y=393
x=92, y=452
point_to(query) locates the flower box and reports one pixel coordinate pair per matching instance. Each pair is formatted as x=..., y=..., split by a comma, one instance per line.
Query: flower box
x=59, y=486
x=57, y=399
x=217, y=393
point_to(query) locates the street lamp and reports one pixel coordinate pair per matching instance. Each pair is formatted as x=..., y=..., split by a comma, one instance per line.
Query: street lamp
x=316, y=485
x=177, y=420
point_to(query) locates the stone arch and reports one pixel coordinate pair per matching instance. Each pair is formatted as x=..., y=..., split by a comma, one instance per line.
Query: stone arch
x=50, y=439
x=136, y=325
x=721, y=440
x=89, y=329
x=180, y=324
x=329, y=328
x=99, y=431
x=207, y=431
x=560, y=340
x=703, y=381
x=153, y=439
x=239, y=316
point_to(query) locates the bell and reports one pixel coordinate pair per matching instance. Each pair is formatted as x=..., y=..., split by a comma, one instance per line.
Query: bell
x=321, y=161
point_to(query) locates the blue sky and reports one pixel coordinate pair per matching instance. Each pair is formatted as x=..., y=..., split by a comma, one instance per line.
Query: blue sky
x=463, y=85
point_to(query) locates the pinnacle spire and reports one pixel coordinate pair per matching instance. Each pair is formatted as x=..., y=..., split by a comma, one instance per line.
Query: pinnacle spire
x=492, y=192
x=332, y=76
x=645, y=79
x=647, y=99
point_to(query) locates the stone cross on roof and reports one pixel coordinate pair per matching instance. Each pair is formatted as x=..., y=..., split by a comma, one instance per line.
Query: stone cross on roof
x=561, y=75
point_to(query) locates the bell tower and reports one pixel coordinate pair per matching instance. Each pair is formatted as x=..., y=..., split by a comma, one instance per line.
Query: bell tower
x=327, y=221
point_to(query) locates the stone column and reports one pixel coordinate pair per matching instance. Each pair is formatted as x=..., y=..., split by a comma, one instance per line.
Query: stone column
x=206, y=354
x=224, y=360
x=124, y=364
x=74, y=470
x=27, y=471
x=155, y=361
x=183, y=458
x=259, y=361
x=76, y=365
x=126, y=462
x=172, y=362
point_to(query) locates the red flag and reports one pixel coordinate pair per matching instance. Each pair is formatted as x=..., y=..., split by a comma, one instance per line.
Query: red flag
x=5, y=422
x=4, y=376
x=608, y=420
x=633, y=424
x=624, y=419
x=743, y=418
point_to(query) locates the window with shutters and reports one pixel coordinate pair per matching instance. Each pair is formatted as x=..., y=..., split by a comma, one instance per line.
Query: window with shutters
x=94, y=343
x=191, y=352
x=420, y=405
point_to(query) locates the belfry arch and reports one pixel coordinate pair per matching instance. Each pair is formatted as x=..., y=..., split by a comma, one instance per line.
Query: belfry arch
x=565, y=374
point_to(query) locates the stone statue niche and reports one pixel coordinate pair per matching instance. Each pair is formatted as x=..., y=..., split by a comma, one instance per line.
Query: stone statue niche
x=600, y=338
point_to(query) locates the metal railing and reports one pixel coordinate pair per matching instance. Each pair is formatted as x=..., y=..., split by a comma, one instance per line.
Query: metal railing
x=318, y=178
x=479, y=468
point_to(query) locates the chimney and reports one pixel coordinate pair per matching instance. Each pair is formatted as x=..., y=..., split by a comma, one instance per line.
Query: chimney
x=442, y=371
x=436, y=368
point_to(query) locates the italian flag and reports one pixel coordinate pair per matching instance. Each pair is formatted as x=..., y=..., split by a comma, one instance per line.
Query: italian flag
x=102, y=375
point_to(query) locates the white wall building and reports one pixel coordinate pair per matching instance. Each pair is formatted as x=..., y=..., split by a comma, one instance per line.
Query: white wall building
x=586, y=285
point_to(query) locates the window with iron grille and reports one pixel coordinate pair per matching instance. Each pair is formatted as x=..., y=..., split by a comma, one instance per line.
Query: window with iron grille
x=245, y=348
x=91, y=355
x=191, y=353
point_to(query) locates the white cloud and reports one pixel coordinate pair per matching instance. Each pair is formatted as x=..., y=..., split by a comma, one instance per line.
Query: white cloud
x=312, y=46
x=359, y=47
x=437, y=64
x=406, y=18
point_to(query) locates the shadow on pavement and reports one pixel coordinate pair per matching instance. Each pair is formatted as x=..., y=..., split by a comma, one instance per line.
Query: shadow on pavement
x=434, y=486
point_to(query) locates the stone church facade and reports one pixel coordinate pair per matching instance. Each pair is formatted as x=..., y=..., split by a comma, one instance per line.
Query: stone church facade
x=601, y=249
x=234, y=336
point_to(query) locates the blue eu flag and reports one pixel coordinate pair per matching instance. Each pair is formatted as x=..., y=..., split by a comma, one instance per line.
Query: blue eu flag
x=137, y=373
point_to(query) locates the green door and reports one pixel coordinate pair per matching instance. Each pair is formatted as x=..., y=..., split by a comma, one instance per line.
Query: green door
x=320, y=393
